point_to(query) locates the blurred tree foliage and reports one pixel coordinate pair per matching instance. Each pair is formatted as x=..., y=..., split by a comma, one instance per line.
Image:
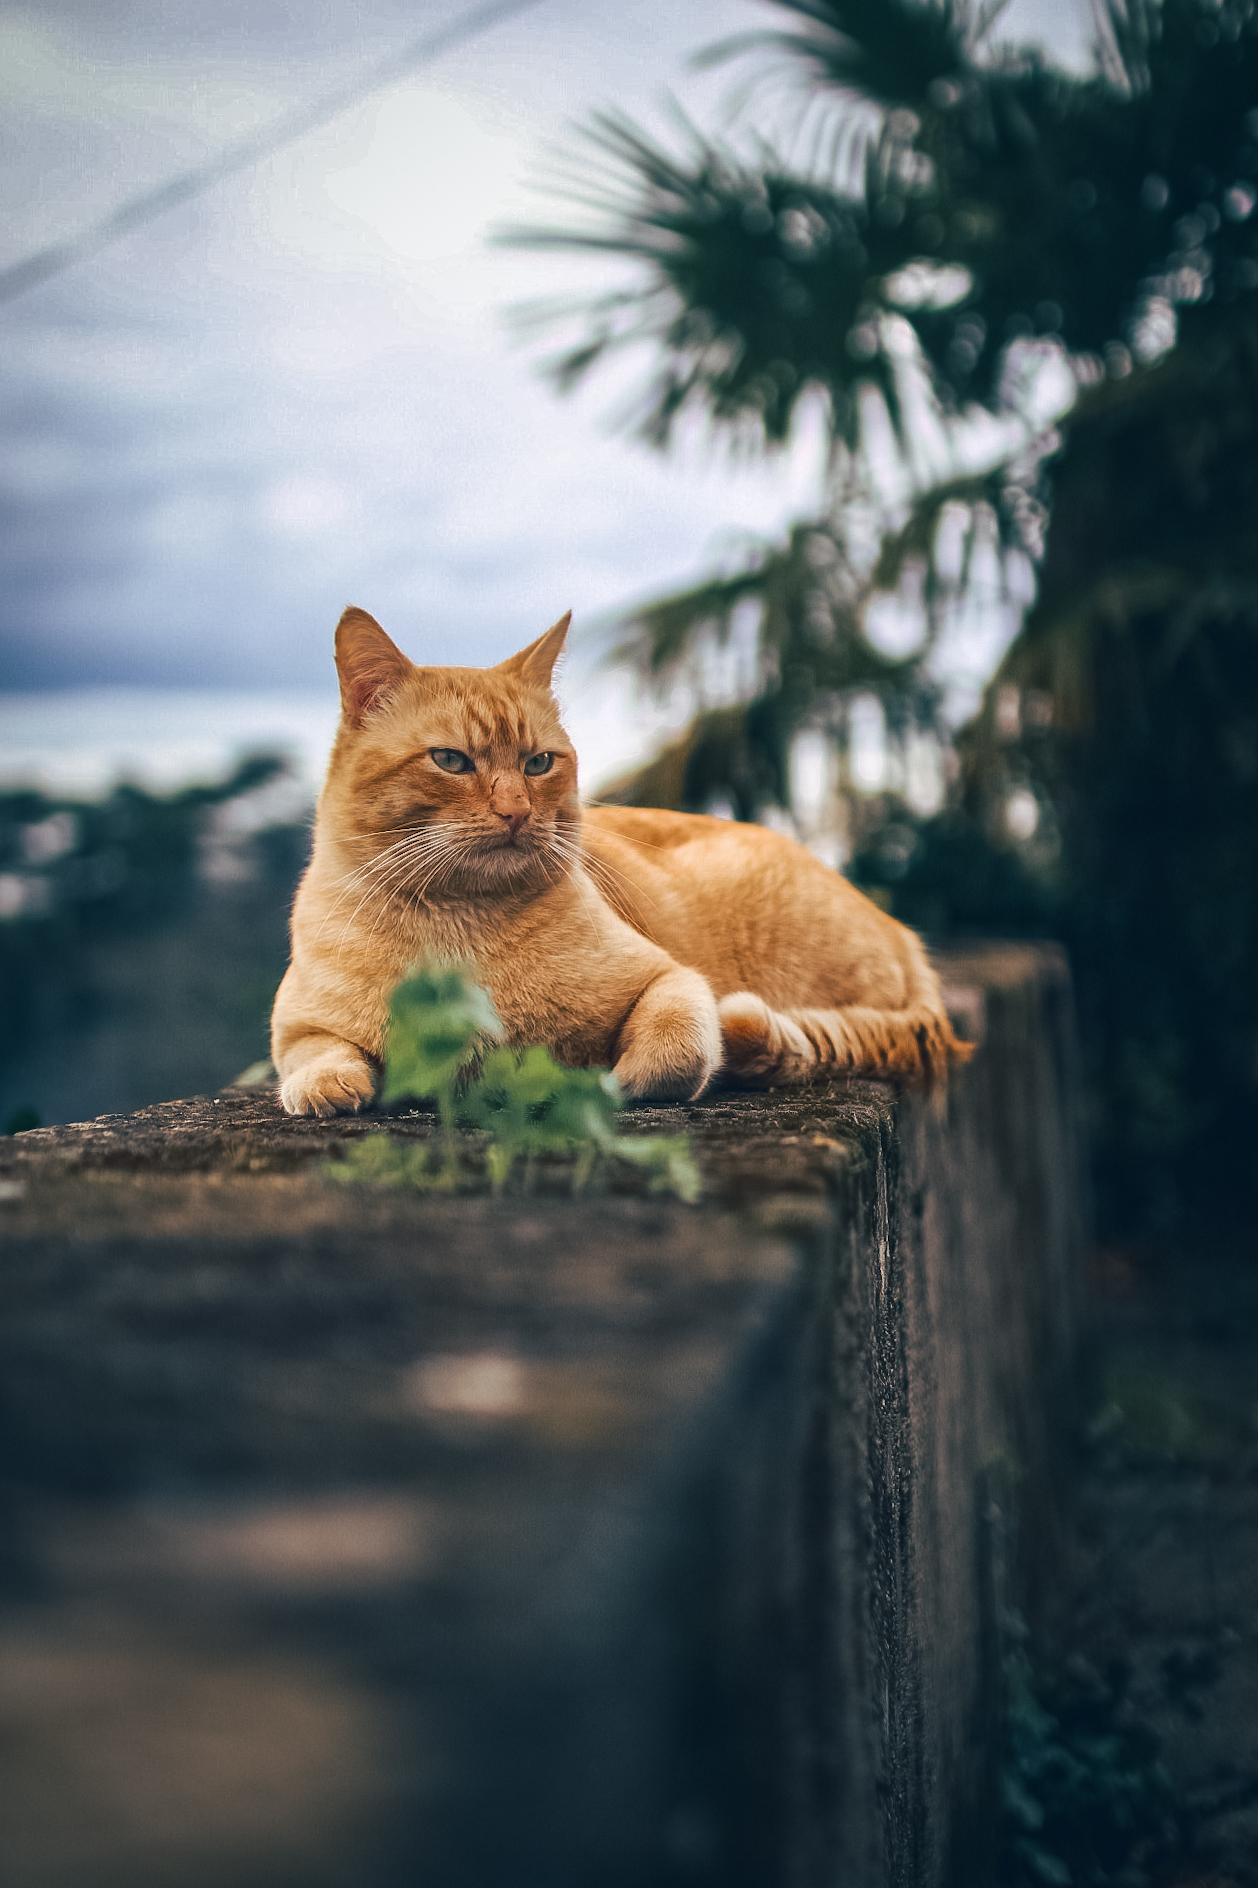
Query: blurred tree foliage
x=78, y=878
x=1141, y=657
x=946, y=216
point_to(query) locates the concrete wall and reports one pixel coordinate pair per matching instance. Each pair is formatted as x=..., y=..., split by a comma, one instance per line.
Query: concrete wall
x=360, y=1539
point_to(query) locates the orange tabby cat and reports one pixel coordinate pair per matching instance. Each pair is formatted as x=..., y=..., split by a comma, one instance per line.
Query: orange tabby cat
x=668, y=946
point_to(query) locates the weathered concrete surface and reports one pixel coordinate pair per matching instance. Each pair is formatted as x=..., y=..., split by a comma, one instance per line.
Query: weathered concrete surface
x=355, y=1539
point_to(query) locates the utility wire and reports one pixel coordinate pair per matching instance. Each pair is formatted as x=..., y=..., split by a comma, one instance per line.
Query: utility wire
x=45, y=263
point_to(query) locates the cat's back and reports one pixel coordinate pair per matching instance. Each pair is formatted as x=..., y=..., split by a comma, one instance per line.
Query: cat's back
x=749, y=907
x=685, y=852
x=658, y=829
x=678, y=846
x=655, y=825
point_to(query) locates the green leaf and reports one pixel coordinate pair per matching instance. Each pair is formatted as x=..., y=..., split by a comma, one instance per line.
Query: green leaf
x=380, y=1160
x=518, y=1102
x=438, y=1019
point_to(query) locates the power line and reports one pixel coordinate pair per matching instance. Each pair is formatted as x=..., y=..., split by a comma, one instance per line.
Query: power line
x=45, y=263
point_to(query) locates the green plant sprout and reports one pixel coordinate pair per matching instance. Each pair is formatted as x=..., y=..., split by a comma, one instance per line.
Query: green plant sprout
x=444, y=1045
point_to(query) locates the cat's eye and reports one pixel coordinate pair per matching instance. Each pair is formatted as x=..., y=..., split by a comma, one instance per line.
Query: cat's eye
x=451, y=761
x=539, y=763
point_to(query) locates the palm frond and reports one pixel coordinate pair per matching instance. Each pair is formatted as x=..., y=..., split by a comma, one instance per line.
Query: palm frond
x=1072, y=206
x=659, y=635
x=724, y=751
x=892, y=52
x=754, y=279
x=1127, y=30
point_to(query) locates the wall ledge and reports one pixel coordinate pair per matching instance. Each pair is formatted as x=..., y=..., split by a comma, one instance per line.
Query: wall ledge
x=356, y=1538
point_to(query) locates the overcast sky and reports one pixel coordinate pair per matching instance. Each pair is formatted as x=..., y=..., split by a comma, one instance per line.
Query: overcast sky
x=300, y=391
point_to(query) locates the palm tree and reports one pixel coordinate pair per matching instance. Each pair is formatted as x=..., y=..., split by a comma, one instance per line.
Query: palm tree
x=935, y=221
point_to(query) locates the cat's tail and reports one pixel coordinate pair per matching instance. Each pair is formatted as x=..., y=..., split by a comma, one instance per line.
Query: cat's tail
x=764, y=1048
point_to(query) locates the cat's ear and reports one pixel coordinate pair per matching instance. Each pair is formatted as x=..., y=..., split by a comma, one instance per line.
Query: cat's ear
x=536, y=664
x=369, y=665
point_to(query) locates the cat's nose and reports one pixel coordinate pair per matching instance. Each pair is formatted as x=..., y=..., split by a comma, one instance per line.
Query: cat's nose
x=511, y=803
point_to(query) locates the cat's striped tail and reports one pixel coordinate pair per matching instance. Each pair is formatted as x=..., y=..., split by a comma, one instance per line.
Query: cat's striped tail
x=767, y=1048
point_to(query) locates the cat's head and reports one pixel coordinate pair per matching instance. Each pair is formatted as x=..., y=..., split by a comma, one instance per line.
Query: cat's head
x=450, y=781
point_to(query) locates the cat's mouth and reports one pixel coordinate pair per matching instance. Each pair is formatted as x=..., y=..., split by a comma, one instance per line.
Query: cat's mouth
x=509, y=849
x=527, y=839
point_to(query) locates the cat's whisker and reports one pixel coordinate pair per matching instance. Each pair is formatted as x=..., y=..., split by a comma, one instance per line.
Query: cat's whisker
x=373, y=892
x=557, y=857
x=393, y=866
x=445, y=851
x=588, y=892
x=363, y=874
x=432, y=866
x=607, y=877
x=610, y=877
x=367, y=834
x=389, y=872
x=415, y=861
x=564, y=846
x=345, y=893
x=584, y=893
x=649, y=845
x=384, y=863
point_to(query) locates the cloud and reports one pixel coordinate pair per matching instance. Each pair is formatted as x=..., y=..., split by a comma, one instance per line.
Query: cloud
x=298, y=391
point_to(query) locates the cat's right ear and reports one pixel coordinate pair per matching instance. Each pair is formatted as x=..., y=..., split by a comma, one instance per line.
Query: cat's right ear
x=369, y=665
x=536, y=664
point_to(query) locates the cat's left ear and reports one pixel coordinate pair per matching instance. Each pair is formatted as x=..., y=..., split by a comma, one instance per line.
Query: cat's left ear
x=370, y=665
x=536, y=664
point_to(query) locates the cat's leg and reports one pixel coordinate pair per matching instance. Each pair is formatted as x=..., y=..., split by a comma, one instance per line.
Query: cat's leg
x=669, y=1046
x=323, y=1074
x=764, y=1048
x=327, y=1038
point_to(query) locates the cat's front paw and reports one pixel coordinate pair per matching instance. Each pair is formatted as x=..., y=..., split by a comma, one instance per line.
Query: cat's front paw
x=339, y=1083
x=671, y=1044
